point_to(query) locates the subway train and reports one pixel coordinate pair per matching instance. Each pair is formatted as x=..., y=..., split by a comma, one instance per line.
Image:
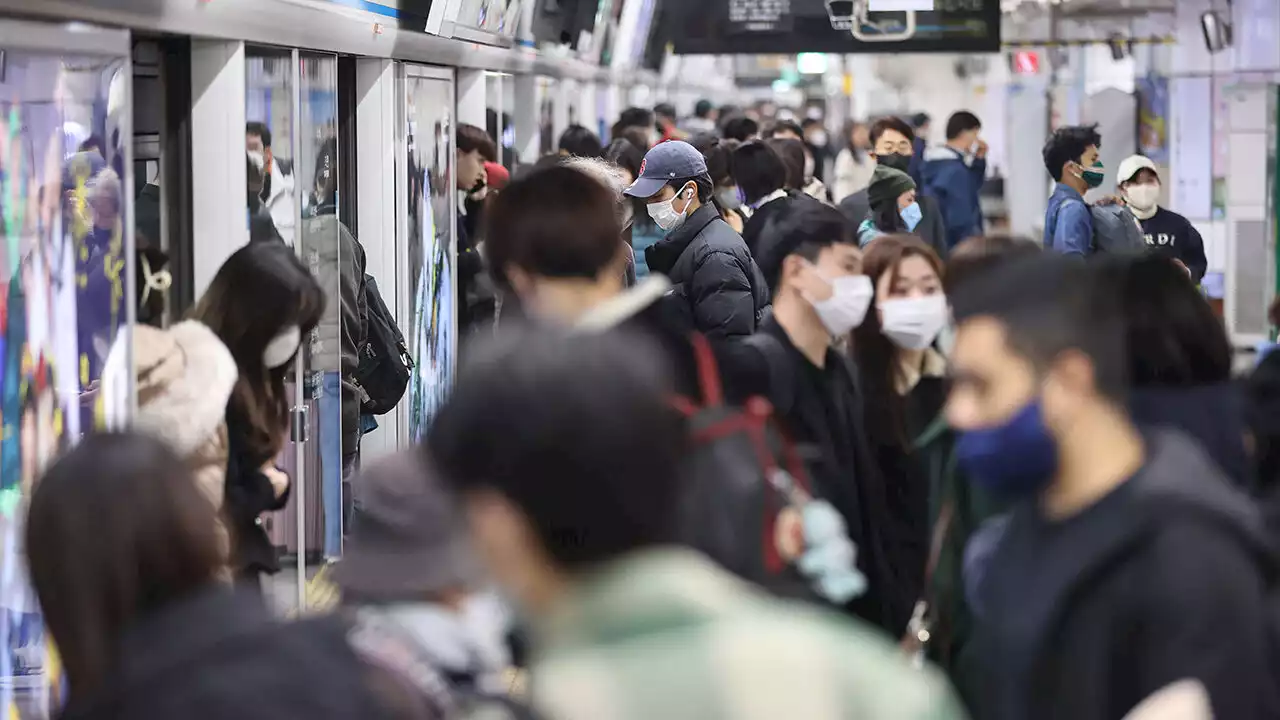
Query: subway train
x=130, y=131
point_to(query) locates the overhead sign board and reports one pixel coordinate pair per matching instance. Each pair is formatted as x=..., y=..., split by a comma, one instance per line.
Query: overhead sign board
x=749, y=27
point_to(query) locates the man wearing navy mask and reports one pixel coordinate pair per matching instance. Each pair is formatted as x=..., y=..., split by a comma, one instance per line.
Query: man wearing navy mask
x=1128, y=563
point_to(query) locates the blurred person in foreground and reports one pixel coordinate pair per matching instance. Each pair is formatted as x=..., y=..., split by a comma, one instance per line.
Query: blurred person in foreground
x=708, y=263
x=1167, y=233
x=415, y=591
x=566, y=454
x=555, y=242
x=127, y=561
x=1179, y=360
x=1128, y=563
x=890, y=139
x=814, y=267
x=1262, y=413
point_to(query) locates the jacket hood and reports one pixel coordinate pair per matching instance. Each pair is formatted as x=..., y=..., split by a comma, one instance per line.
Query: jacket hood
x=662, y=255
x=1180, y=476
x=1212, y=415
x=185, y=376
x=942, y=152
x=467, y=642
x=626, y=305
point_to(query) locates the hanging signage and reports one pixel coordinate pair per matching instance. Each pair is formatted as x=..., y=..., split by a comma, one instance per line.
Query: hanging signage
x=750, y=27
x=1026, y=62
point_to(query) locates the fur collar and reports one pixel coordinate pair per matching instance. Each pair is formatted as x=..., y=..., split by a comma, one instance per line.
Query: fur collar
x=186, y=408
x=625, y=305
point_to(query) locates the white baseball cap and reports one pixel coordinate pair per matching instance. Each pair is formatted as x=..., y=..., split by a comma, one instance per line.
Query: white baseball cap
x=1132, y=164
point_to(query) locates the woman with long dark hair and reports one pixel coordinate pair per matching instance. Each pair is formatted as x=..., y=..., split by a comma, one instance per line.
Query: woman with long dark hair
x=262, y=304
x=903, y=380
x=128, y=563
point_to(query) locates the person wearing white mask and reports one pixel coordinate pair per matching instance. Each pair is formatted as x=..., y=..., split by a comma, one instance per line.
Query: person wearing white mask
x=903, y=376
x=1167, y=233
x=820, y=294
x=720, y=290
x=261, y=304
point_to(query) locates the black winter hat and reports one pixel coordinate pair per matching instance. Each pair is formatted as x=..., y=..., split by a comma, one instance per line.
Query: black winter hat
x=887, y=184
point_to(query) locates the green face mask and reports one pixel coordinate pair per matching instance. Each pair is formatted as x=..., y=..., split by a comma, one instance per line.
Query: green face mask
x=1094, y=176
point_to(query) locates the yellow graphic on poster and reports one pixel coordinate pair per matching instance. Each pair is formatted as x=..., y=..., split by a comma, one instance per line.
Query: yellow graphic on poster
x=61, y=307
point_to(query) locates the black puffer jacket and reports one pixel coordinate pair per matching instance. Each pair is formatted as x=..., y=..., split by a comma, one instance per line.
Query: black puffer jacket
x=721, y=289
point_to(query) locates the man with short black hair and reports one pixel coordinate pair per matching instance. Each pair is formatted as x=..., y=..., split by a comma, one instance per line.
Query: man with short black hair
x=568, y=455
x=1128, y=563
x=707, y=262
x=954, y=174
x=814, y=266
x=1071, y=157
x=891, y=139
x=578, y=141
x=277, y=179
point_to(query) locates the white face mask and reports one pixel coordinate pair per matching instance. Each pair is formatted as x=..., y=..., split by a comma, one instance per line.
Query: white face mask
x=1142, y=197
x=282, y=347
x=664, y=214
x=913, y=323
x=844, y=310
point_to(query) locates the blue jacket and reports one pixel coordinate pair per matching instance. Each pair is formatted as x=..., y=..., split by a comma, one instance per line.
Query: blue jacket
x=1068, y=224
x=644, y=233
x=917, y=160
x=955, y=185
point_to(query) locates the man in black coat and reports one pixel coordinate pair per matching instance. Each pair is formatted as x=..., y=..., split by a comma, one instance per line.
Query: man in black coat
x=1129, y=563
x=718, y=290
x=891, y=146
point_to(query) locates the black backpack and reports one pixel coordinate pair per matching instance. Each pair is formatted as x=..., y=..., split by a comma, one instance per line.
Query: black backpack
x=385, y=363
x=746, y=486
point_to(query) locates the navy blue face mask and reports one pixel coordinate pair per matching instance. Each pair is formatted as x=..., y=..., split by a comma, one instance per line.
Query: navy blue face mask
x=1013, y=460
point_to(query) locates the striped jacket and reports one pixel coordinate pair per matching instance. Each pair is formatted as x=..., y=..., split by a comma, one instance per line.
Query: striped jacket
x=666, y=634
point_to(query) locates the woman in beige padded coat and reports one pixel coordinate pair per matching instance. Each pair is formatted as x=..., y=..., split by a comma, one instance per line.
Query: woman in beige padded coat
x=184, y=380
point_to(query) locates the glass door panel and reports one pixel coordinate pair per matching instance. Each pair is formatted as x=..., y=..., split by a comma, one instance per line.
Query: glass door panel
x=428, y=242
x=328, y=249
x=64, y=333
x=273, y=216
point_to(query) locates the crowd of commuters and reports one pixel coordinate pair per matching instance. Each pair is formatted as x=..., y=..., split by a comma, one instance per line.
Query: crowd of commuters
x=730, y=446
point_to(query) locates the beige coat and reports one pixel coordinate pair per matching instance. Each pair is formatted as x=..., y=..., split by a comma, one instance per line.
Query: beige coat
x=185, y=376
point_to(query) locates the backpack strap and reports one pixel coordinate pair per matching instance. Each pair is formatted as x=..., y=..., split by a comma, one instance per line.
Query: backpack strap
x=781, y=389
x=708, y=373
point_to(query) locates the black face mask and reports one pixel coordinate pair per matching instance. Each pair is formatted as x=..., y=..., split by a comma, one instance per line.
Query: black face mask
x=897, y=161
